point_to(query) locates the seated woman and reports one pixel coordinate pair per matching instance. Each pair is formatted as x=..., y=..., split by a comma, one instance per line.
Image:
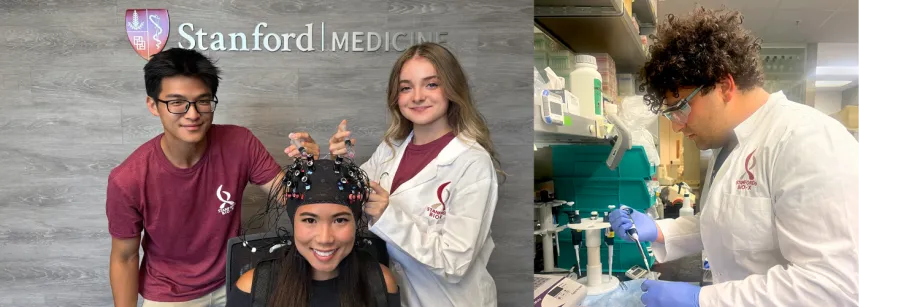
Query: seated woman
x=326, y=267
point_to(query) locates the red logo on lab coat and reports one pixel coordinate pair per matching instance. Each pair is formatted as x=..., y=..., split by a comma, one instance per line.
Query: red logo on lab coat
x=747, y=182
x=437, y=211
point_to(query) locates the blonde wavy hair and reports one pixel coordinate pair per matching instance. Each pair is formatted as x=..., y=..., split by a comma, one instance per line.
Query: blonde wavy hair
x=462, y=115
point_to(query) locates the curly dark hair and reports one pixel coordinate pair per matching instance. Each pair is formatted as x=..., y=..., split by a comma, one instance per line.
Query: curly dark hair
x=700, y=50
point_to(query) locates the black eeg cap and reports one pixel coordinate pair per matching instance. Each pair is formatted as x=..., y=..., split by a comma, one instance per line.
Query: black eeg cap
x=323, y=181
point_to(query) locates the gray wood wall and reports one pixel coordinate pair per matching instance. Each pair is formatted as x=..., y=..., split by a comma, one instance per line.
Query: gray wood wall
x=72, y=108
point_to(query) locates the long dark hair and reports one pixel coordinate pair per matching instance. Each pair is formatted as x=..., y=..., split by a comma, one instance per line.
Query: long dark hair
x=295, y=278
x=292, y=286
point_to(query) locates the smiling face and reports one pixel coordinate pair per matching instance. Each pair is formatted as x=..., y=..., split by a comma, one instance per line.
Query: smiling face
x=191, y=127
x=324, y=234
x=421, y=95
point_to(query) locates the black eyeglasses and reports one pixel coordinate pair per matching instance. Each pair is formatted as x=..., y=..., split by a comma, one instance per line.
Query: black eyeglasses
x=180, y=106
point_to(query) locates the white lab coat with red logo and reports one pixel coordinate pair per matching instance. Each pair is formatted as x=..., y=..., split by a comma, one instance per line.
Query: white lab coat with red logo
x=438, y=224
x=779, y=223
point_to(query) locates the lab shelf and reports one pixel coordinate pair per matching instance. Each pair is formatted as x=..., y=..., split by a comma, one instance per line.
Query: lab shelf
x=577, y=130
x=593, y=26
x=646, y=15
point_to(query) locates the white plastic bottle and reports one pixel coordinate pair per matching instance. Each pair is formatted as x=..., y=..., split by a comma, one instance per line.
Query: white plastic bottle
x=587, y=86
x=687, y=208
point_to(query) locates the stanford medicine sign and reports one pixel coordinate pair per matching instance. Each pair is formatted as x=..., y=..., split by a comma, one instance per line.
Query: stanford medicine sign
x=308, y=40
x=148, y=30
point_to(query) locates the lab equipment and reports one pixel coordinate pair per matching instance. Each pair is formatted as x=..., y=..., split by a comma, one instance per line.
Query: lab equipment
x=619, y=140
x=672, y=197
x=595, y=280
x=659, y=206
x=609, y=240
x=580, y=172
x=587, y=86
x=636, y=272
x=557, y=291
x=628, y=218
x=673, y=193
x=569, y=101
x=549, y=230
x=634, y=234
x=706, y=279
x=552, y=108
x=299, y=145
x=349, y=149
x=574, y=218
x=686, y=209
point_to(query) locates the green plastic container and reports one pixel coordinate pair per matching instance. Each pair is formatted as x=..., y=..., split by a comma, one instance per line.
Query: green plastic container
x=596, y=194
x=580, y=174
x=590, y=161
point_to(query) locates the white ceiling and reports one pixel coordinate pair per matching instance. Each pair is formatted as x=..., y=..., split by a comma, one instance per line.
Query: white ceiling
x=785, y=21
x=838, y=54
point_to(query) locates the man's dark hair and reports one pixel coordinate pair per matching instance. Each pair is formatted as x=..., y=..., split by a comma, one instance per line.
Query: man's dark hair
x=179, y=62
x=700, y=50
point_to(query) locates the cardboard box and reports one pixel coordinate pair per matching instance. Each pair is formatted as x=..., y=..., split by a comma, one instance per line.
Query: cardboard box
x=849, y=116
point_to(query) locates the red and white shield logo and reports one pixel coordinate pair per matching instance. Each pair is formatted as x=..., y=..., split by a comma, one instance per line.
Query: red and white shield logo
x=148, y=30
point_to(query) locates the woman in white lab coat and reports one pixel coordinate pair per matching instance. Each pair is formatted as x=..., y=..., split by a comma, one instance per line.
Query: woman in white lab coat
x=435, y=183
x=779, y=219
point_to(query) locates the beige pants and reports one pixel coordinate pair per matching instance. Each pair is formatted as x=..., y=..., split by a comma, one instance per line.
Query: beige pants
x=217, y=298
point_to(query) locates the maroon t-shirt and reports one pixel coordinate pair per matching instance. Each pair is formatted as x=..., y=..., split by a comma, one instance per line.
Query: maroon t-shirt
x=187, y=215
x=416, y=158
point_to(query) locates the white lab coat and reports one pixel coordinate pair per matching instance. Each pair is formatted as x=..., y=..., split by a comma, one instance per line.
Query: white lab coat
x=779, y=222
x=439, y=256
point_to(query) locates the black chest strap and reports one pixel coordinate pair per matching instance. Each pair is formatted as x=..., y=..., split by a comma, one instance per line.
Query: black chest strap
x=378, y=285
x=263, y=281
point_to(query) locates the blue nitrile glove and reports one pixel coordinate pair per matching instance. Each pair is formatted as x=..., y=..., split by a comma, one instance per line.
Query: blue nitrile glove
x=645, y=226
x=670, y=294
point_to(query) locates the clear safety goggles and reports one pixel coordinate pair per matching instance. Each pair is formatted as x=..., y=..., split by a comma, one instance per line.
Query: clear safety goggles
x=679, y=112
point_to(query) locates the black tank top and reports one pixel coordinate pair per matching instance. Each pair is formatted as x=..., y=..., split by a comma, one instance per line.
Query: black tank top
x=324, y=292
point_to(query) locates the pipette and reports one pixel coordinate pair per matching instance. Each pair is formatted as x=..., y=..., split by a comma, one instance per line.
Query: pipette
x=574, y=218
x=634, y=234
x=608, y=238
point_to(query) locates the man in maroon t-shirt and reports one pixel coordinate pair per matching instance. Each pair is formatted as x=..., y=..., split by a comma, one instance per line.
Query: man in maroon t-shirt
x=183, y=189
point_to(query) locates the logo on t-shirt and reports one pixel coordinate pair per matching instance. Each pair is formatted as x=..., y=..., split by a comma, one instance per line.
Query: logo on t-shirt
x=226, y=204
x=436, y=211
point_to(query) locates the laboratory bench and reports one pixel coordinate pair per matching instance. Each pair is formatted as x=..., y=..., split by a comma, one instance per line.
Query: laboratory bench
x=687, y=269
